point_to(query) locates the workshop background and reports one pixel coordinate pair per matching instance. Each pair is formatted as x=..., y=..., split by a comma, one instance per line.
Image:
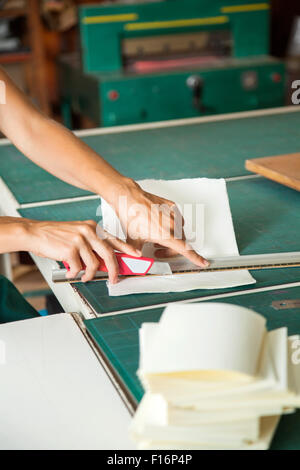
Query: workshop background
x=91, y=63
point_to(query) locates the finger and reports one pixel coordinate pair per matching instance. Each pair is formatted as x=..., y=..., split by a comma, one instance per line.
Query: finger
x=124, y=247
x=165, y=253
x=105, y=250
x=75, y=265
x=111, y=263
x=178, y=223
x=90, y=261
x=91, y=222
x=180, y=246
x=136, y=243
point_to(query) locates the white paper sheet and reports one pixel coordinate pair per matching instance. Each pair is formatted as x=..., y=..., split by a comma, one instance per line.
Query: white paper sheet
x=215, y=235
x=212, y=337
x=46, y=382
x=150, y=422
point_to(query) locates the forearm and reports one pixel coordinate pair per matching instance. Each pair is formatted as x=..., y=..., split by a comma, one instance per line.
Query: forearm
x=54, y=148
x=12, y=234
x=58, y=151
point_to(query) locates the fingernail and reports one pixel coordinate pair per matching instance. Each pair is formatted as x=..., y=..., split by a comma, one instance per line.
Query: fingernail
x=206, y=263
x=138, y=252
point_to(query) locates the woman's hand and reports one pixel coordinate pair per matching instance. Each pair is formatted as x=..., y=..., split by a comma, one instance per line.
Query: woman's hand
x=147, y=217
x=75, y=242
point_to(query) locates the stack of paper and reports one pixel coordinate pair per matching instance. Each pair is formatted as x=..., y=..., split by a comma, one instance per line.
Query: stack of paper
x=214, y=378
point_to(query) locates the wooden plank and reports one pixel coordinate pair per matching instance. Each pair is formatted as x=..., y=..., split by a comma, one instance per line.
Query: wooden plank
x=284, y=169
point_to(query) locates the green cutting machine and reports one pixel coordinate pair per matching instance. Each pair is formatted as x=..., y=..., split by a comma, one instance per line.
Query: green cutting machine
x=171, y=59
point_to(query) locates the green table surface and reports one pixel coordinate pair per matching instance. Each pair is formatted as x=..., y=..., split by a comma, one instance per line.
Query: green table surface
x=266, y=218
x=117, y=337
x=212, y=149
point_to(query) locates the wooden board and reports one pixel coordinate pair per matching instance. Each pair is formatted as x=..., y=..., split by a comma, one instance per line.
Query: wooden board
x=284, y=169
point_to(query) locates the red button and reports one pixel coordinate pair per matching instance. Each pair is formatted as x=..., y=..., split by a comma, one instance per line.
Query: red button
x=276, y=77
x=113, y=95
